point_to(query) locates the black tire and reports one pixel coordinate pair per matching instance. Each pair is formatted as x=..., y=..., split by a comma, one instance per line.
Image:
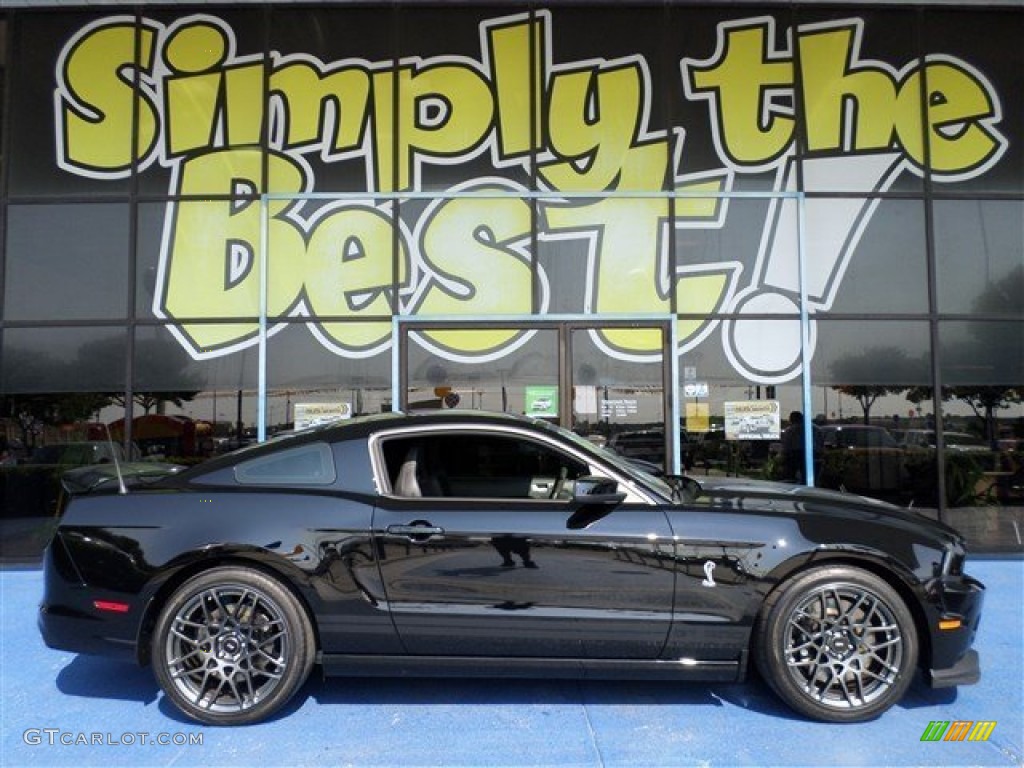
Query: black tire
x=232, y=646
x=837, y=644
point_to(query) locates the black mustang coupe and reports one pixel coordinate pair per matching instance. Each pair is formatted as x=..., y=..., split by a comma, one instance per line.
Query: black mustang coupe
x=462, y=543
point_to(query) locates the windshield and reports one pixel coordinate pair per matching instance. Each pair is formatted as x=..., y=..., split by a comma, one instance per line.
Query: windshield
x=620, y=464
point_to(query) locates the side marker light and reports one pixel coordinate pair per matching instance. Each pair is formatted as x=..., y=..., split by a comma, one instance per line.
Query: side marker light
x=111, y=606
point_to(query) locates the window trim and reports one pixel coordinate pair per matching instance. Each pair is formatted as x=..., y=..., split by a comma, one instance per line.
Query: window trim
x=635, y=494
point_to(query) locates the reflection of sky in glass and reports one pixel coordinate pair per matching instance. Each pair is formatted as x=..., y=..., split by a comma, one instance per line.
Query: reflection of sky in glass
x=62, y=262
x=980, y=249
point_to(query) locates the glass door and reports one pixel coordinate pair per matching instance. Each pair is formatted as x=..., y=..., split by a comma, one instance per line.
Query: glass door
x=510, y=369
x=606, y=380
x=619, y=398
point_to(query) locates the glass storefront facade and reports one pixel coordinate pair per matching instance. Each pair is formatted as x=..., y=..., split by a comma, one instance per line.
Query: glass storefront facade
x=216, y=225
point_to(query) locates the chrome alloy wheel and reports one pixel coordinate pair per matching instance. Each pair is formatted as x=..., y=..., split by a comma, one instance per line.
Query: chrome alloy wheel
x=843, y=646
x=228, y=648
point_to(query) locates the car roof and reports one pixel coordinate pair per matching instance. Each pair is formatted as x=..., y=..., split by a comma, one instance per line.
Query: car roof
x=360, y=427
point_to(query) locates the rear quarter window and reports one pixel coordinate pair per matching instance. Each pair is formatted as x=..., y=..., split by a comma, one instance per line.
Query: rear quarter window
x=309, y=464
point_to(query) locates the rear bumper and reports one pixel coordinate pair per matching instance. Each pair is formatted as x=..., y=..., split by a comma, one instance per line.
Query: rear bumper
x=68, y=619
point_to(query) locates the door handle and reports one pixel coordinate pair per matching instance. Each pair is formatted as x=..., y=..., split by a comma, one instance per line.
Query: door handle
x=417, y=531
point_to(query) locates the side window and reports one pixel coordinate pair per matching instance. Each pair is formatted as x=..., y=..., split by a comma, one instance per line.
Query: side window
x=311, y=464
x=478, y=466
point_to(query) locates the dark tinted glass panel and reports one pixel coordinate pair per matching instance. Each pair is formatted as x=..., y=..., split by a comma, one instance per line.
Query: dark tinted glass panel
x=162, y=363
x=46, y=437
x=85, y=359
x=732, y=419
x=497, y=369
x=463, y=104
x=871, y=354
x=860, y=89
x=977, y=96
x=984, y=354
x=869, y=255
x=204, y=135
x=330, y=99
x=752, y=135
x=718, y=249
x=4, y=47
x=66, y=262
x=982, y=368
x=872, y=379
x=979, y=248
x=301, y=357
x=57, y=146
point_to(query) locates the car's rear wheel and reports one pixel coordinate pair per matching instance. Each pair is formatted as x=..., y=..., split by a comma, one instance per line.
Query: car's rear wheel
x=231, y=646
x=837, y=643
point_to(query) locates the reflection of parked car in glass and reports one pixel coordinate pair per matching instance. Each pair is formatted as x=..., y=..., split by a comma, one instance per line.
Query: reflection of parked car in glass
x=857, y=436
x=649, y=445
x=710, y=449
x=861, y=458
x=82, y=453
x=646, y=444
x=954, y=441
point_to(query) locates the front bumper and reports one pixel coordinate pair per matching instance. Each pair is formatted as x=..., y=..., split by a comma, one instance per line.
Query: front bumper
x=967, y=671
x=953, y=662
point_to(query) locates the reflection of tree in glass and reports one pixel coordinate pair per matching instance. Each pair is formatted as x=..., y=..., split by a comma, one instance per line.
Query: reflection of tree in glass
x=24, y=370
x=986, y=371
x=878, y=364
x=162, y=362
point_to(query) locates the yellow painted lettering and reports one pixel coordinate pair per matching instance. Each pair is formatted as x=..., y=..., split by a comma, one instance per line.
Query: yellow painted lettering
x=193, y=96
x=468, y=244
x=959, y=111
x=348, y=273
x=834, y=89
x=739, y=80
x=592, y=123
x=630, y=277
x=97, y=101
x=243, y=87
x=212, y=267
x=513, y=71
x=305, y=94
x=443, y=111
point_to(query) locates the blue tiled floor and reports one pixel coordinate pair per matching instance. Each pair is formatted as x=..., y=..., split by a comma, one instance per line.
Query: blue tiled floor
x=371, y=722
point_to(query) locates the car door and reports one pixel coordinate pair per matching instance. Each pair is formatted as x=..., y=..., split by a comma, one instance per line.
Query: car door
x=483, y=552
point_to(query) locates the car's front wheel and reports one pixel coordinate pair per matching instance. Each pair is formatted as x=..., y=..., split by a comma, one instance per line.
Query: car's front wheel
x=231, y=646
x=837, y=643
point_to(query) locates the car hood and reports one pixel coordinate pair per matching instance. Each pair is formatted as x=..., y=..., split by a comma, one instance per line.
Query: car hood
x=816, y=500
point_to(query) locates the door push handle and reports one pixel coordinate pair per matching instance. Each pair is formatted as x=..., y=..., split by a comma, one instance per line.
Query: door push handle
x=416, y=530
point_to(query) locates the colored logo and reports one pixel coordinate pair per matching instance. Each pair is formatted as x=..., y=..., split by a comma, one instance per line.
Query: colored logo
x=958, y=730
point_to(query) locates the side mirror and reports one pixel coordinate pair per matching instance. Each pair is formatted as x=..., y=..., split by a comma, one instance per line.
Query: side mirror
x=596, y=497
x=686, y=488
x=591, y=490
